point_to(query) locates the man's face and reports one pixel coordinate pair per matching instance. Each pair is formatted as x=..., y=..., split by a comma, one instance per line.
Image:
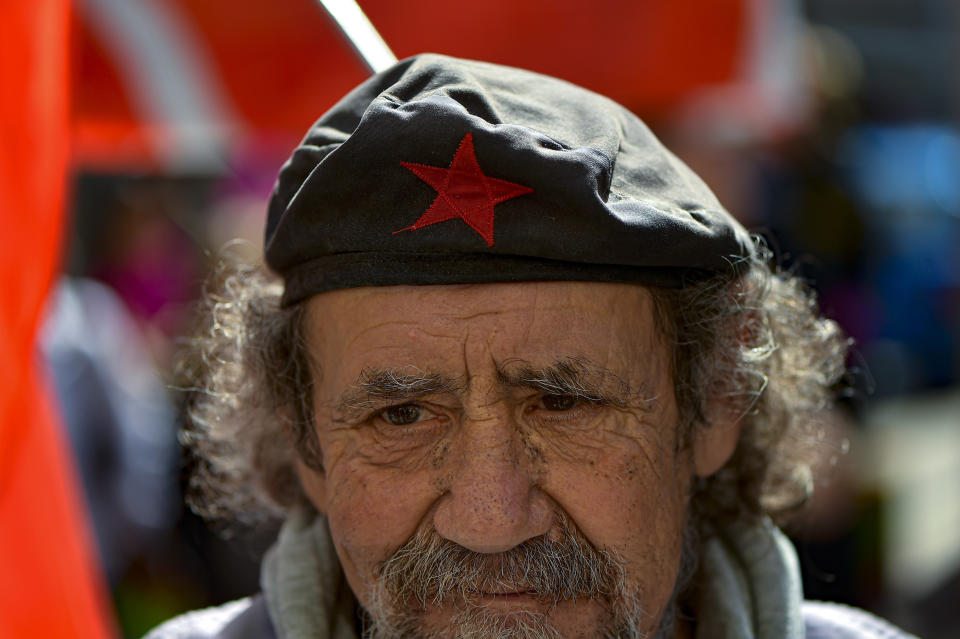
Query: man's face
x=497, y=424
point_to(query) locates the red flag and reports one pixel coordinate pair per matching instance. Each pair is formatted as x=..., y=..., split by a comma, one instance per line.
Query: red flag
x=267, y=69
x=49, y=585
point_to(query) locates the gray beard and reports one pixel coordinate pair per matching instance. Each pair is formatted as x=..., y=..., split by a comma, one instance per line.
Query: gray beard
x=429, y=570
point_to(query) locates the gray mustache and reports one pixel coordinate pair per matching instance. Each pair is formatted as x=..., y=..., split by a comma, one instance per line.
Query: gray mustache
x=429, y=569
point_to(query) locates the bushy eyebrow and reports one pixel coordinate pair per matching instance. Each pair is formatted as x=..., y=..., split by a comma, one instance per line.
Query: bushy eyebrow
x=575, y=376
x=376, y=385
x=578, y=377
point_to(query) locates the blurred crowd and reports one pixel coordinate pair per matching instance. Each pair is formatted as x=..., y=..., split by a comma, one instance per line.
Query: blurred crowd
x=847, y=158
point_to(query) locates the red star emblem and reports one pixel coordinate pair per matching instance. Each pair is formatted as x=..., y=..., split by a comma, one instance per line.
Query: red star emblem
x=463, y=191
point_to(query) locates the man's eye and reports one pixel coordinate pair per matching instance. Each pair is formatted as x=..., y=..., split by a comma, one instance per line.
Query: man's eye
x=402, y=415
x=560, y=402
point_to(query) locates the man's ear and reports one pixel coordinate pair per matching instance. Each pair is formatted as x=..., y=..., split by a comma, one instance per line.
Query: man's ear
x=715, y=441
x=314, y=484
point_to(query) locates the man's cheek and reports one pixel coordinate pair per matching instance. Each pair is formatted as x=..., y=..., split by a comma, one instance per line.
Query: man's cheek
x=618, y=474
x=371, y=514
x=628, y=500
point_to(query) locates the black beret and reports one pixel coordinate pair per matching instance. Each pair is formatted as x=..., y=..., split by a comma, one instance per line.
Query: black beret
x=447, y=171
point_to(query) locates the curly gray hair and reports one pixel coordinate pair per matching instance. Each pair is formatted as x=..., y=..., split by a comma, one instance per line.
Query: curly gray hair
x=757, y=339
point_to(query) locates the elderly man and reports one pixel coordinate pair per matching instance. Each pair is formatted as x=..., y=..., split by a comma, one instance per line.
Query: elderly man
x=522, y=376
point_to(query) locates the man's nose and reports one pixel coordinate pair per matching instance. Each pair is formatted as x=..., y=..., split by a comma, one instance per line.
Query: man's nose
x=492, y=503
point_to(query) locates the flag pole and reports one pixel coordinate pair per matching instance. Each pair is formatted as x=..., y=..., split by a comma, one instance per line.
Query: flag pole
x=361, y=33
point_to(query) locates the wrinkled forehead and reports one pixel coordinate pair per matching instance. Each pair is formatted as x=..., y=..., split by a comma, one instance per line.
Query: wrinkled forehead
x=453, y=329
